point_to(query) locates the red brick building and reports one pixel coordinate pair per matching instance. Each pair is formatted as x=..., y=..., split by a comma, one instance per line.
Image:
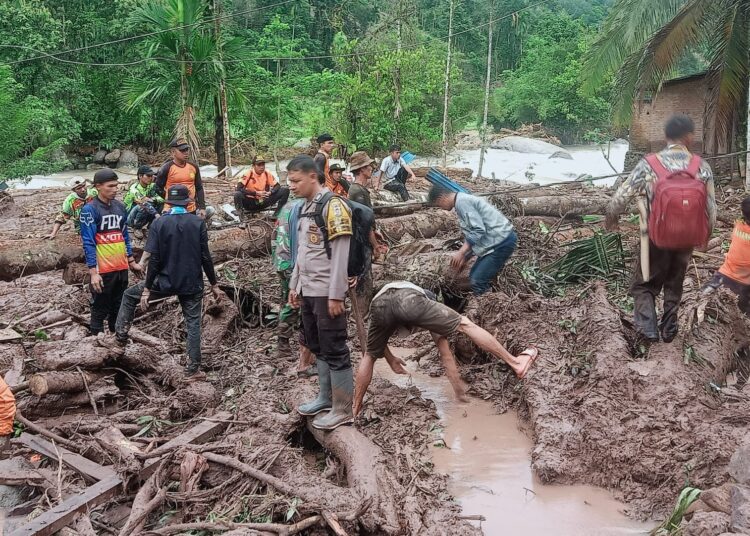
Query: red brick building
x=681, y=95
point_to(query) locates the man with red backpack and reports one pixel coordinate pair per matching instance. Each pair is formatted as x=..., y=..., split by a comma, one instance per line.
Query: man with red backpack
x=677, y=205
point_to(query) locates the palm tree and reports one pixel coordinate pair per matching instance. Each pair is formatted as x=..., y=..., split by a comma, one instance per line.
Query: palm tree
x=190, y=65
x=642, y=41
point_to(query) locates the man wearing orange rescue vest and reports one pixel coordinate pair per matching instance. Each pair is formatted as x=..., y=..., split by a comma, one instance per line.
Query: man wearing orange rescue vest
x=179, y=170
x=735, y=272
x=259, y=190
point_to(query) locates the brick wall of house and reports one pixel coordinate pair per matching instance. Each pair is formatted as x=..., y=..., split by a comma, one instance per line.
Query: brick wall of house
x=682, y=96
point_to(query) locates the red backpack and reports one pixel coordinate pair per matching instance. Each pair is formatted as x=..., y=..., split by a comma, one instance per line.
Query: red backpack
x=678, y=218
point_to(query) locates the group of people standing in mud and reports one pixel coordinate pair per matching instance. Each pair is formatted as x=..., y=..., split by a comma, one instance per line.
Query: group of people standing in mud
x=325, y=240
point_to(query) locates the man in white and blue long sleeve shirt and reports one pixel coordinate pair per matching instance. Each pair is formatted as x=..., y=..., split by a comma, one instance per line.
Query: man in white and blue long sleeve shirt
x=488, y=235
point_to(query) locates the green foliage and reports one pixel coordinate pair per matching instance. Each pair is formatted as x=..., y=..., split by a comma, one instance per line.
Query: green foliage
x=546, y=87
x=671, y=525
x=136, y=91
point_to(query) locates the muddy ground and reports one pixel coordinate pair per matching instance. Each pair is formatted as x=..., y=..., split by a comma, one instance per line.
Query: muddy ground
x=603, y=408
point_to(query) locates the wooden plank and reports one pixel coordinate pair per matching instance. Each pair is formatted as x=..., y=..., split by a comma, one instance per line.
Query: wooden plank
x=91, y=470
x=61, y=515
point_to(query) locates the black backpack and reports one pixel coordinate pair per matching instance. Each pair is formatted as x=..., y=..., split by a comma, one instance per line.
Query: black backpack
x=363, y=221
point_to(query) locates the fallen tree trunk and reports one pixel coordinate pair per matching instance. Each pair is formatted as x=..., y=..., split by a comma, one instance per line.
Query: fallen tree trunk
x=103, y=392
x=33, y=255
x=563, y=205
x=62, y=382
x=367, y=471
x=61, y=355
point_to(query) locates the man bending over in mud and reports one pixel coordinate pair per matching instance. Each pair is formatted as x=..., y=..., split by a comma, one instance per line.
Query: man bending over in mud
x=405, y=305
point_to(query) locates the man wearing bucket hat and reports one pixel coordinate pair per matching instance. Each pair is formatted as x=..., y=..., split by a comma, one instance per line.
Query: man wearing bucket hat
x=108, y=251
x=258, y=189
x=142, y=202
x=71, y=207
x=178, y=255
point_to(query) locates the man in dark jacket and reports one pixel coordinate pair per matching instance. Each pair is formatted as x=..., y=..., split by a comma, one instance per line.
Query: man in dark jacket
x=178, y=252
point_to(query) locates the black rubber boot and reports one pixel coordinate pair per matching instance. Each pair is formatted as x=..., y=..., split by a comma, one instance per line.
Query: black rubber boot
x=343, y=394
x=323, y=402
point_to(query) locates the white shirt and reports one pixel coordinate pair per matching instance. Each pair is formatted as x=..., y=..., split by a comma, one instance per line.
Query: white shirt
x=400, y=285
x=390, y=168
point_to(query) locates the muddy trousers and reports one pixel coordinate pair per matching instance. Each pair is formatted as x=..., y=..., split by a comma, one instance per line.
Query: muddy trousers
x=668, y=269
x=288, y=315
x=192, y=309
x=325, y=336
x=398, y=185
x=106, y=304
x=278, y=197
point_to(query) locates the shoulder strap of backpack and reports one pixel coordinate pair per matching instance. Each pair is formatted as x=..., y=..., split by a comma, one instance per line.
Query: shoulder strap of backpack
x=320, y=221
x=653, y=161
x=695, y=165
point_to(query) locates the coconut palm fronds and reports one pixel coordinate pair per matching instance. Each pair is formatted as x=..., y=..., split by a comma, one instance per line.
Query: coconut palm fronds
x=601, y=255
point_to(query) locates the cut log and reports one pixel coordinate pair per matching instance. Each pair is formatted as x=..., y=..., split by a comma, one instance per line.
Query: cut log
x=61, y=355
x=113, y=441
x=559, y=206
x=62, y=382
x=104, y=393
x=424, y=224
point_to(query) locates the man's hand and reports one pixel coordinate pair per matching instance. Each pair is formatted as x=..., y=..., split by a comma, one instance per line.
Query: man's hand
x=50, y=236
x=353, y=281
x=201, y=213
x=136, y=268
x=612, y=222
x=263, y=194
x=335, y=308
x=97, y=283
x=217, y=292
x=458, y=260
x=144, y=300
x=294, y=300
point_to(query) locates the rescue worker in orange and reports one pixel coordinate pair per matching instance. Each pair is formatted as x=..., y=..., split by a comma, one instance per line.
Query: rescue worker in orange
x=323, y=158
x=259, y=190
x=180, y=170
x=734, y=274
x=339, y=185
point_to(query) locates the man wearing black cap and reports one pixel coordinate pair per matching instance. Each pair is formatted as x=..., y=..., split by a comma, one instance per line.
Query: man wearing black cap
x=258, y=189
x=178, y=255
x=142, y=202
x=340, y=185
x=106, y=245
x=323, y=157
x=179, y=170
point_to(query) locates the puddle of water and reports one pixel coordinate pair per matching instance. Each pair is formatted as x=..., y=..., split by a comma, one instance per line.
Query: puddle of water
x=488, y=461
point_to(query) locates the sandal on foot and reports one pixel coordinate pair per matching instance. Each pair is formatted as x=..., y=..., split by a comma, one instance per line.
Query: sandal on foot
x=532, y=352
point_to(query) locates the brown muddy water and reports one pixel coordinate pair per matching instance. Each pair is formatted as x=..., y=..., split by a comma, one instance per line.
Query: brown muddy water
x=488, y=459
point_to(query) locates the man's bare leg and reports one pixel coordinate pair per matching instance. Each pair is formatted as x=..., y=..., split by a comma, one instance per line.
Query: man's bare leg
x=482, y=338
x=396, y=363
x=451, y=368
x=364, y=377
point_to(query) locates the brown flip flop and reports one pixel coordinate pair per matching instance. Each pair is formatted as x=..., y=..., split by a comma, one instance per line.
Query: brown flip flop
x=533, y=353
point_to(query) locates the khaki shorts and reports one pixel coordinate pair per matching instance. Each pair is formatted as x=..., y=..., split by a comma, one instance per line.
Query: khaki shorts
x=410, y=309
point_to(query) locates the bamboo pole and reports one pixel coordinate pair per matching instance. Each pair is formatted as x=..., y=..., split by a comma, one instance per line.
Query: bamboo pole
x=447, y=84
x=486, y=98
x=223, y=94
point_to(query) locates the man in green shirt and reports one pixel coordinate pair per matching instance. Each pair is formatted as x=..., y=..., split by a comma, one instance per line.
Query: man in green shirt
x=71, y=207
x=142, y=202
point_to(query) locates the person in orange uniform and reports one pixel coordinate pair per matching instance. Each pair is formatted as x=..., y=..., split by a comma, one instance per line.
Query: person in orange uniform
x=734, y=274
x=323, y=158
x=259, y=189
x=7, y=415
x=339, y=185
x=179, y=170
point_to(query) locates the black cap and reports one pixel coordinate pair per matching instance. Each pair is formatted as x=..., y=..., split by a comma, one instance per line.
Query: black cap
x=105, y=175
x=179, y=143
x=324, y=138
x=335, y=167
x=178, y=195
x=145, y=170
